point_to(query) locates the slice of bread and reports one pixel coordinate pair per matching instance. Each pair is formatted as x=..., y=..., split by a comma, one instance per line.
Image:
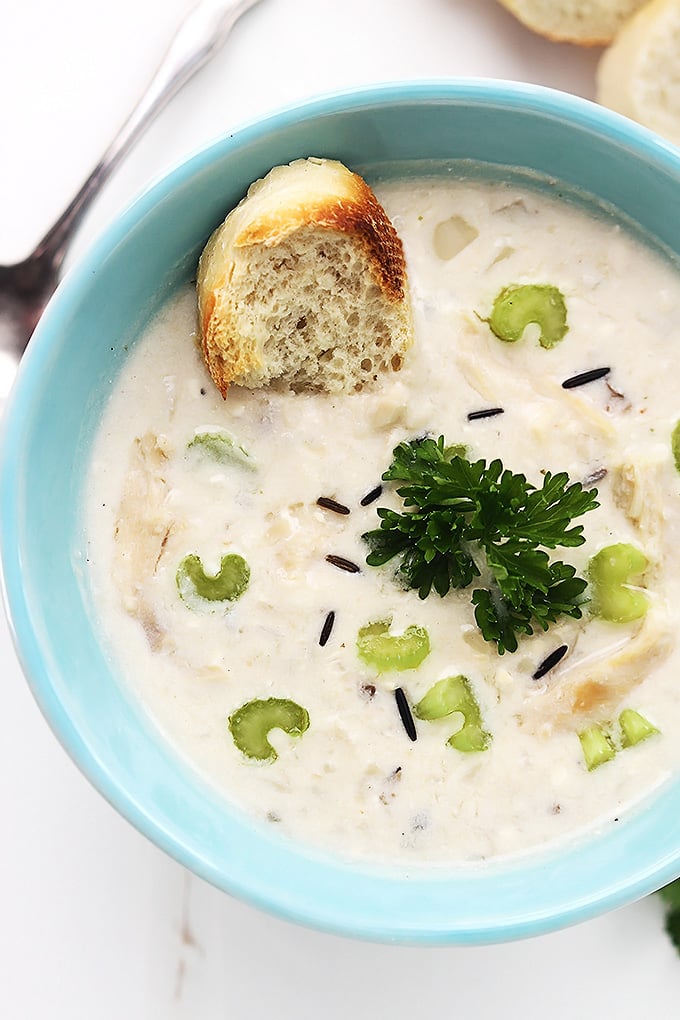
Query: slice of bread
x=585, y=22
x=639, y=75
x=304, y=284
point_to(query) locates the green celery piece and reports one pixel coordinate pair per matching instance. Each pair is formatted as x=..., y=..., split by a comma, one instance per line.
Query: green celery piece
x=385, y=651
x=251, y=723
x=634, y=727
x=520, y=304
x=454, y=694
x=221, y=447
x=471, y=737
x=611, y=570
x=596, y=745
x=227, y=585
x=675, y=445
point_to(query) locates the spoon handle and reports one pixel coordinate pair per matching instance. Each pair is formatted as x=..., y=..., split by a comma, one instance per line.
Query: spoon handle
x=199, y=37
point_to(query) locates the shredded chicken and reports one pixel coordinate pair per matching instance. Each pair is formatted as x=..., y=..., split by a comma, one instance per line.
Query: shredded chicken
x=591, y=420
x=591, y=689
x=142, y=529
x=636, y=488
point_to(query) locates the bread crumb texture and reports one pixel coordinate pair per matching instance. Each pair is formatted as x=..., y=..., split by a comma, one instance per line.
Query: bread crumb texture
x=304, y=285
x=639, y=75
x=585, y=22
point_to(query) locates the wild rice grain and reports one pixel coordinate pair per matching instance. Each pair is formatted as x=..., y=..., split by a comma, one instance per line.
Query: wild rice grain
x=489, y=412
x=371, y=496
x=595, y=476
x=342, y=564
x=405, y=714
x=332, y=504
x=585, y=377
x=550, y=661
x=327, y=628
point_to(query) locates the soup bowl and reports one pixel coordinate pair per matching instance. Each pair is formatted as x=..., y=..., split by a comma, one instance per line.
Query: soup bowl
x=66, y=377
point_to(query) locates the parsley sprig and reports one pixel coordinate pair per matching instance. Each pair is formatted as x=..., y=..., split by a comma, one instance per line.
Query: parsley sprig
x=465, y=521
x=670, y=894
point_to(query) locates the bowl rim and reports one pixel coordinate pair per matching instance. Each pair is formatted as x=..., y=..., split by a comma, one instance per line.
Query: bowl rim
x=297, y=905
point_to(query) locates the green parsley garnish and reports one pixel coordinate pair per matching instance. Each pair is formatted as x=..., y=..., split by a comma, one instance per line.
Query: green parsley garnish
x=670, y=894
x=465, y=521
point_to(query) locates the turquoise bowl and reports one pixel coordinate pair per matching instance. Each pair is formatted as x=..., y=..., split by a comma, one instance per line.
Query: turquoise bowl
x=65, y=379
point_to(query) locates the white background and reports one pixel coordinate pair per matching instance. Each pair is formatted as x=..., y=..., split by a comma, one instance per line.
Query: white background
x=94, y=921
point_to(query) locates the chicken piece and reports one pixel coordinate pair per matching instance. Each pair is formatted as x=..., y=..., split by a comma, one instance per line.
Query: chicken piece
x=590, y=689
x=636, y=488
x=141, y=532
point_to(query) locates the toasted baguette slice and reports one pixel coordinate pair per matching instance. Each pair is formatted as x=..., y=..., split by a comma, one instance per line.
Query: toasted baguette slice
x=639, y=75
x=304, y=283
x=585, y=22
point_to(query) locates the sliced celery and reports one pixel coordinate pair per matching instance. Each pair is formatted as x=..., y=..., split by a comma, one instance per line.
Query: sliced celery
x=385, y=651
x=612, y=570
x=221, y=447
x=227, y=585
x=471, y=737
x=675, y=445
x=634, y=727
x=597, y=746
x=251, y=723
x=454, y=694
x=519, y=305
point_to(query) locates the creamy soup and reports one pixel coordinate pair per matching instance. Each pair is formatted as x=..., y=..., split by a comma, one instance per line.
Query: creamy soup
x=354, y=781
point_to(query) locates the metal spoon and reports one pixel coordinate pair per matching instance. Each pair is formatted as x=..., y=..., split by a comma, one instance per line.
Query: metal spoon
x=25, y=288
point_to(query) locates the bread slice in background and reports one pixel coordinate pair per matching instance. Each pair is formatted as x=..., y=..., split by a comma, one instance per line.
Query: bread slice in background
x=585, y=22
x=304, y=285
x=639, y=75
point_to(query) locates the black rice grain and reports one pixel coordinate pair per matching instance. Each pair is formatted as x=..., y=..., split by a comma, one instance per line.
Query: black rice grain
x=342, y=564
x=550, y=661
x=371, y=496
x=489, y=412
x=585, y=377
x=332, y=504
x=327, y=628
x=405, y=714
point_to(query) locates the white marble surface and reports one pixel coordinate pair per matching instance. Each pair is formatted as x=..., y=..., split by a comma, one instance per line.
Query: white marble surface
x=97, y=923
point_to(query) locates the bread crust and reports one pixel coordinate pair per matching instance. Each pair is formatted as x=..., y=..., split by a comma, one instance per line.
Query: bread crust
x=306, y=195
x=596, y=24
x=637, y=75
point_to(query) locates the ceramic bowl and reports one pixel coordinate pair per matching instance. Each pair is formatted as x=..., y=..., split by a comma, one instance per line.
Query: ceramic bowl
x=65, y=379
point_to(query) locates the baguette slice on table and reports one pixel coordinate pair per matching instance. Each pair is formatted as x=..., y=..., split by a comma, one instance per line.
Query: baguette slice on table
x=304, y=285
x=585, y=22
x=639, y=75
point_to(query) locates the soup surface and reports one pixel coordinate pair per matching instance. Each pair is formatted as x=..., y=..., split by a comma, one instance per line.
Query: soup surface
x=354, y=782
